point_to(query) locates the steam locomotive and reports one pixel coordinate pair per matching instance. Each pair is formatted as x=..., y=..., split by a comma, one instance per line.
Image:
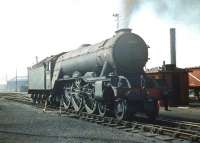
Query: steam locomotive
x=107, y=77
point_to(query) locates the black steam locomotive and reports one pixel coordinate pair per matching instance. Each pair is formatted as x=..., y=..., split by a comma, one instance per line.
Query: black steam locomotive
x=107, y=77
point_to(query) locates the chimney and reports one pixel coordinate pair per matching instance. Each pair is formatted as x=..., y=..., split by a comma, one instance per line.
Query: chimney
x=123, y=30
x=173, y=45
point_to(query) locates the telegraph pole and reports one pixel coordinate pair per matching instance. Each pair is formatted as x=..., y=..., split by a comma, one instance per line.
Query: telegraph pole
x=116, y=15
x=16, y=80
x=6, y=82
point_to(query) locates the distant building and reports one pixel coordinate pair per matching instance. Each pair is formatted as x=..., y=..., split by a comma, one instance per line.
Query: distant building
x=2, y=87
x=21, y=83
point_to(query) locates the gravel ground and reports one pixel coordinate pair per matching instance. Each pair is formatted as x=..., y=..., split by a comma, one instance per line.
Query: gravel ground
x=181, y=113
x=27, y=124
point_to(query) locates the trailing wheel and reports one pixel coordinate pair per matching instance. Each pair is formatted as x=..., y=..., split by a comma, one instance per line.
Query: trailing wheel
x=120, y=109
x=66, y=98
x=90, y=102
x=102, y=109
x=37, y=98
x=33, y=98
x=76, y=96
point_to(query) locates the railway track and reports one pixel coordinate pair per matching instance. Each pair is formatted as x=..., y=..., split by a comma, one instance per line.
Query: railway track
x=192, y=127
x=151, y=130
x=181, y=125
x=167, y=130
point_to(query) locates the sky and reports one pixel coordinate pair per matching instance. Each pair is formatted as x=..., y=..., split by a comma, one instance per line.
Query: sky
x=46, y=27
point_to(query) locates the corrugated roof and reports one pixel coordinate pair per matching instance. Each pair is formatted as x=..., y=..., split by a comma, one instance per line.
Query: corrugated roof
x=194, y=77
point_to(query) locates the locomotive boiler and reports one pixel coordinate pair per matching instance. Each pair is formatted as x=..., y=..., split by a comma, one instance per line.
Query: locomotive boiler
x=107, y=77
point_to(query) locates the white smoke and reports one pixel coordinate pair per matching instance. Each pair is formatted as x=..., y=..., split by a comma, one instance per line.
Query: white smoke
x=152, y=19
x=182, y=11
x=186, y=12
x=126, y=8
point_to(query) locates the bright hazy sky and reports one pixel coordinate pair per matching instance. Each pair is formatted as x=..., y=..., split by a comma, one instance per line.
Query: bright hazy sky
x=30, y=28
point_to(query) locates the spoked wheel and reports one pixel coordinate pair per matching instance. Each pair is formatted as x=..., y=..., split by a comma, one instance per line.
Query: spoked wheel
x=90, y=106
x=76, y=97
x=120, y=109
x=37, y=99
x=102, y=108
x=33, y=99
x=66, y=98
x=90, y=102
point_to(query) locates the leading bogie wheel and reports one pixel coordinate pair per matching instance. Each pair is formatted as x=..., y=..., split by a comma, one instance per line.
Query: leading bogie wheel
x=102, y=109
x=120, y=109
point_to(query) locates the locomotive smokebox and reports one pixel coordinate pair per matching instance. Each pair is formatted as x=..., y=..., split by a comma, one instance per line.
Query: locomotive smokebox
x=173, y=45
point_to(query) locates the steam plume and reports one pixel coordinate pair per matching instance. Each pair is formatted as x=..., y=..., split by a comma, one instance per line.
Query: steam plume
x=184, y=11
x=160, y=15
x=127, y=7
